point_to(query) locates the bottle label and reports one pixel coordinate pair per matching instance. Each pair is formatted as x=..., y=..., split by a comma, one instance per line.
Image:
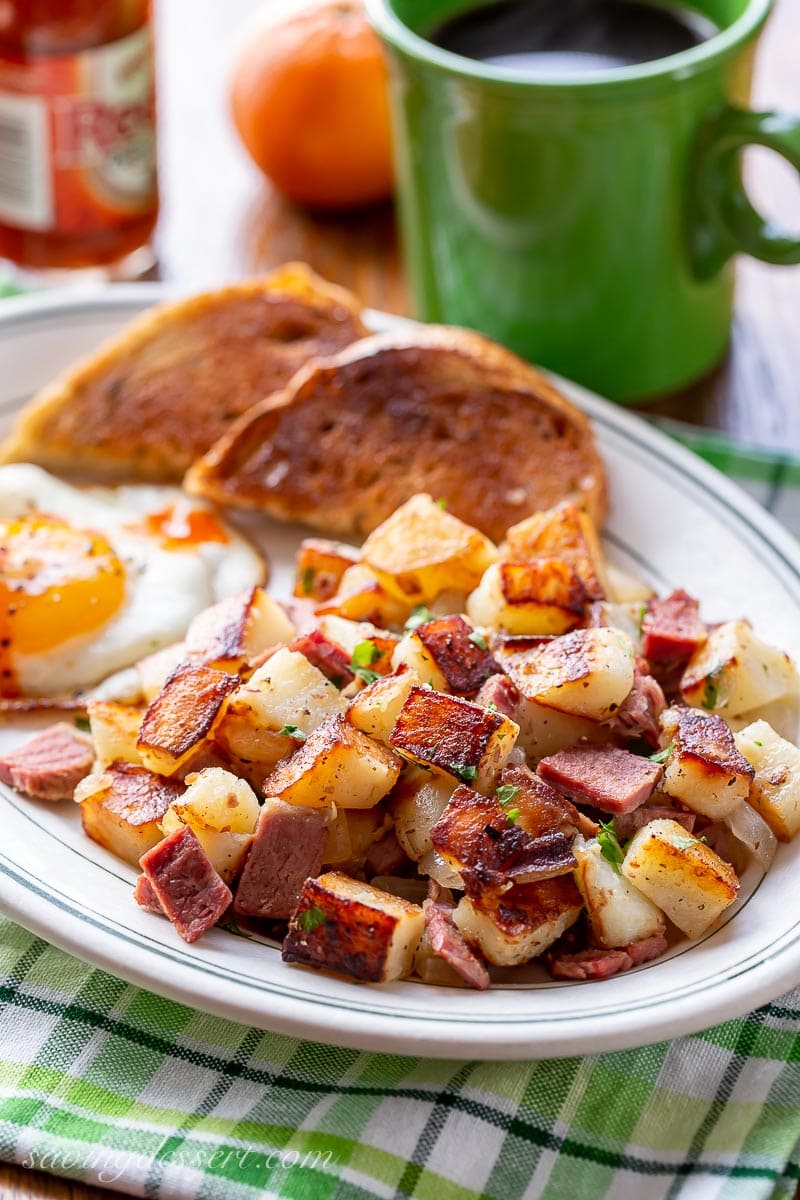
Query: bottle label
x=77, y=137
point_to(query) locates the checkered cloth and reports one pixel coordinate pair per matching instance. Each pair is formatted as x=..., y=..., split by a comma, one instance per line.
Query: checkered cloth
x=103, y=1082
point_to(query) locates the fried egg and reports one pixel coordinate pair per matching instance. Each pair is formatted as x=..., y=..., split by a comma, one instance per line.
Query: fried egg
x=93, y=579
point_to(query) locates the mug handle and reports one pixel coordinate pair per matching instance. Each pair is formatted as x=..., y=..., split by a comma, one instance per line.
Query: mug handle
x=726, y=223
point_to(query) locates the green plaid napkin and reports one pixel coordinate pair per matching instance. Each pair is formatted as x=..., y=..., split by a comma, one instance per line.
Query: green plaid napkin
x=103, y=1082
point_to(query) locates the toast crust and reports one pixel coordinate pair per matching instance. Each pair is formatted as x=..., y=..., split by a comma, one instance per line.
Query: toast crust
x=430, y=408
x=163, y=391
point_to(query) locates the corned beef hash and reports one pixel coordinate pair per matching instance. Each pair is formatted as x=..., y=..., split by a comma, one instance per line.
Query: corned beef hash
x=442, y=757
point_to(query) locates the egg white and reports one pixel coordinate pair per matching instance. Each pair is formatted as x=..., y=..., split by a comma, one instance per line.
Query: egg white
x=164, y=588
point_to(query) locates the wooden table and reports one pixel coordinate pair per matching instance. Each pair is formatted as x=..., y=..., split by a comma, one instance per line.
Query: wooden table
x=220, y=221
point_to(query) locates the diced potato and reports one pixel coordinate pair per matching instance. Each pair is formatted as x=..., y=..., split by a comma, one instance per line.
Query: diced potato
x=541, y=597
x=682, y=875
x=618, y=912
x=225, y=851
x=587, y=673
x=775, y=790
x=218, y=800
x=349, y=634
x=237, y=629
x=182, y=716
x=624, y=588
x=704, y=770
x=458, y=652
x=155, y=669
x=515, y=926
x=349, y=927
x=564, y=532
x=122, y=808
x=735, y=672
x=544, y=731
x=338, y=847
x=376, y=707
x=337, y=764
x=287, y=692
x=115, y=731
x=421, y=549
x=362, y=597
x=412, y=653
x=454, y=736
x=416, y=804
x=320, y=566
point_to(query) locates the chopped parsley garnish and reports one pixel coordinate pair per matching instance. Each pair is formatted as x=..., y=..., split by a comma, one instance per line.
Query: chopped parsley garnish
x=294, y=732
x=512, y=814
x=310, y=918
x=491, y=706
x=506, y=793
x=478, y=640
x=662, y=755
x=82, y=723
x=420, y=615
x=757, y=743
x=307, y=580
x=441, y=502
x=684, y=843
x=364, y=655
x=710, y=694
x=642, y=615
x=465, y=773
x=609, y=845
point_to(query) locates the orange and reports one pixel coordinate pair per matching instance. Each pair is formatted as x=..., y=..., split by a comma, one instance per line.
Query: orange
x=309, y=98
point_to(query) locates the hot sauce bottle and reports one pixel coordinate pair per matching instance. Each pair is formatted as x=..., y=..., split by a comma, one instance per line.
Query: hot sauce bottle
x=77, y=132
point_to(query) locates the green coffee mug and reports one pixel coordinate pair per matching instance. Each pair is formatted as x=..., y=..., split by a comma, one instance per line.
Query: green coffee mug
x=588, y=223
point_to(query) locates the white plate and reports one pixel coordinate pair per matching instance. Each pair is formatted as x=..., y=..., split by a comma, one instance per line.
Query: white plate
x=674, y=520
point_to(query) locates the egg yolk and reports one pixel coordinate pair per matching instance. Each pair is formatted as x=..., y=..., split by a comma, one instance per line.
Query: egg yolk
x=56, y=583
x=179, y=527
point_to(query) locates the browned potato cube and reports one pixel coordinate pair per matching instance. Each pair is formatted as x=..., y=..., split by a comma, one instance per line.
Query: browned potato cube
x=362, y=597
x=376, y=707
x=587, y=673
x=449, y=654
x=511, y=927
x=735, y=672
x=320, y=566
x=122, y=808
x=421, y=549
x=542, y=597
x=454, y=736
x=704, y=770
x=239, y=628
x=349, y=927
x=182, y=716
x=476, y=837
x=683, y=876
x=775, y=791
x=337, y=764
x=564, y=532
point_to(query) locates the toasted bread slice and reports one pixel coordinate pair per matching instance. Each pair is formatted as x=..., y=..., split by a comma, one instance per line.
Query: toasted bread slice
x=429, y=409
x=160, y=393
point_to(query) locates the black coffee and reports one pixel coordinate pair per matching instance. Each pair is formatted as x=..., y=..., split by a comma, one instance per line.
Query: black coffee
x=557, y=37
